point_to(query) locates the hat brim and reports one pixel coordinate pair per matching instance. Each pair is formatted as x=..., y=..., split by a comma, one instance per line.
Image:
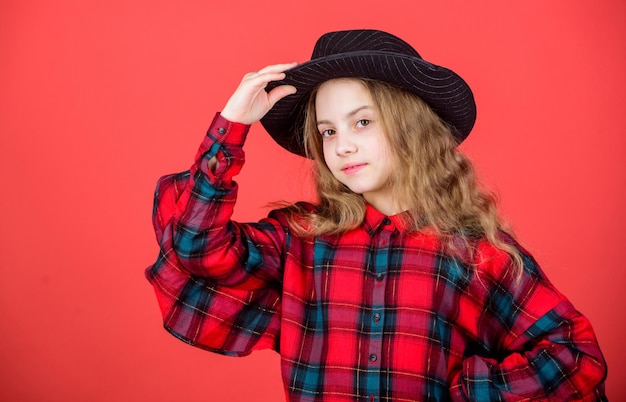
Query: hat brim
x=443, y=90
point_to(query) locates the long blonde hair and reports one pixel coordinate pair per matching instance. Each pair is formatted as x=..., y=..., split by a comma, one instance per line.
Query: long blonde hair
x=432, y=178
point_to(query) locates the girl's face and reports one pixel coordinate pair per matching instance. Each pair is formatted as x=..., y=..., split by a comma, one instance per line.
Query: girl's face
x=355, y=147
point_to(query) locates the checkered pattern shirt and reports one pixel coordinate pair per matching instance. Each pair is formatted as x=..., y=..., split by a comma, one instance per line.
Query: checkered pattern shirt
x=378, y=313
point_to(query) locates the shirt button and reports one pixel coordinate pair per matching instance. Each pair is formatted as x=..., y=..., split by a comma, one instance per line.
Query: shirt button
x=380, y=277
x=387, y=221
x=373, y=357
x=376, y=317
x=221, y=130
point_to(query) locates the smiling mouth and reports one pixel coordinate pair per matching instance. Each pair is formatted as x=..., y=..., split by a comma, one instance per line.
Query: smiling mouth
x=352, y=168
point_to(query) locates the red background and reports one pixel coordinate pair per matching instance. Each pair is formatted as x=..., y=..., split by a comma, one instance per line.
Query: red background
x=100, y=98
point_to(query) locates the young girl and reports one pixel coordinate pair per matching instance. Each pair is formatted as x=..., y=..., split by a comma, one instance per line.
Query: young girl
x=400, y=283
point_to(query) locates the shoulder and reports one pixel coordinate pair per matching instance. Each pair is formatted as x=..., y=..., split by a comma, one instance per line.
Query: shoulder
x=301, y=207
x=501, y=260
x=295, y=216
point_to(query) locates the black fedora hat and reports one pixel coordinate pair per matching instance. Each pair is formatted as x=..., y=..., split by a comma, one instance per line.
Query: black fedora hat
x=376, y=55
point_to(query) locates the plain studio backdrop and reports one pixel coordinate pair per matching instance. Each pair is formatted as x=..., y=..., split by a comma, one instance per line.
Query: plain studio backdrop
x=98, y=99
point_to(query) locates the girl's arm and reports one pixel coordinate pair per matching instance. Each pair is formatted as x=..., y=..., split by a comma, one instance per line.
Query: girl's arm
x=192, y=218
x=192, y=213
x=535, y=344
x=217, y=281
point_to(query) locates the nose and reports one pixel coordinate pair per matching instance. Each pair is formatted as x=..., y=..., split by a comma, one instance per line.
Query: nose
x=344, y=144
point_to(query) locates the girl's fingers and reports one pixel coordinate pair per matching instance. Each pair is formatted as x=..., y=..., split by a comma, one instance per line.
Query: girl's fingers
x=280, y=92
x=274, y=72
x=276, y=68
x=250, y=101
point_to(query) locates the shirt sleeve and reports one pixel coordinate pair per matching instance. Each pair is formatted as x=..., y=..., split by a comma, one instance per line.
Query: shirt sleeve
x=217, y=281
x=534, y=345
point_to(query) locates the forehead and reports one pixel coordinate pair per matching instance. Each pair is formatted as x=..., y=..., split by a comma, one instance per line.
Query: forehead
x=346, y=82
x=339, y=94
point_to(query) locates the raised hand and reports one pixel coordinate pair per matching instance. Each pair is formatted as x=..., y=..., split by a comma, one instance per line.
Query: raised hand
x=250, y=101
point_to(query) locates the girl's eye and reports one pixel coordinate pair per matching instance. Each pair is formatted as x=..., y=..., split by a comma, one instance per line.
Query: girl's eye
x=327, y=133
x=362, y=123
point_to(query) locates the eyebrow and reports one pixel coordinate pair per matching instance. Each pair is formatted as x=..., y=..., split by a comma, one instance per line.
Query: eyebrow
x=349, y=114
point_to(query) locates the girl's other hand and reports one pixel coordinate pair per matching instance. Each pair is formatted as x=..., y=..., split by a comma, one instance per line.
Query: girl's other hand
x=250, y=102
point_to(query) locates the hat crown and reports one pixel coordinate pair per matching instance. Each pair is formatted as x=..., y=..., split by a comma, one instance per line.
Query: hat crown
x=365, y=40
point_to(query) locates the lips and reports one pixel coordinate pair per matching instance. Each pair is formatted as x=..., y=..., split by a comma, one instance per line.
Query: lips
x=352, y=168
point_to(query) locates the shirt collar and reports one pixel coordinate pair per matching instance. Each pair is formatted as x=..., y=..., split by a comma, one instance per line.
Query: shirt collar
x=376, y=221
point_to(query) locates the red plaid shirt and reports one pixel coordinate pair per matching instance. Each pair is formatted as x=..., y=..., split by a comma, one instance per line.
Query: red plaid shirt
x=375, y=314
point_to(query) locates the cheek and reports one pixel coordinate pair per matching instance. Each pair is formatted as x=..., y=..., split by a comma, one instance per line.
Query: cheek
x=327, y=152
x=382, y=150
x=390, y=161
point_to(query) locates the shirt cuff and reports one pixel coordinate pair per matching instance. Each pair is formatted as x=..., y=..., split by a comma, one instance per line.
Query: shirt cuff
x=225, y=140
x=228, y=133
